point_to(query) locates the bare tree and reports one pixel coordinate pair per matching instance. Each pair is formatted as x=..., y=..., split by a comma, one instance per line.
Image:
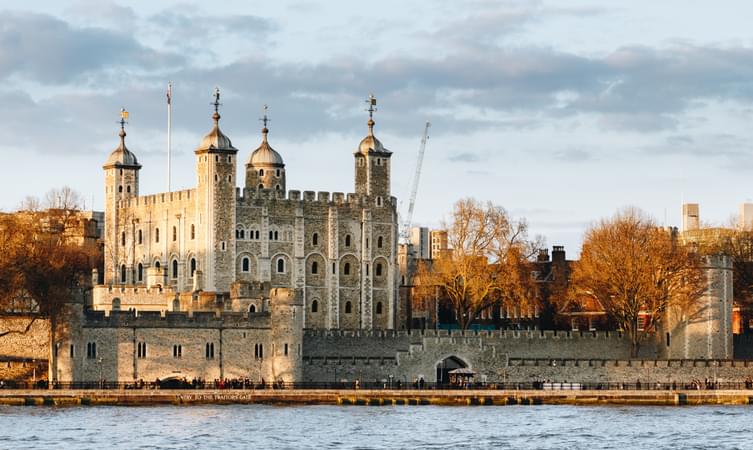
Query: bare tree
x=635, y=269
x=488, y=263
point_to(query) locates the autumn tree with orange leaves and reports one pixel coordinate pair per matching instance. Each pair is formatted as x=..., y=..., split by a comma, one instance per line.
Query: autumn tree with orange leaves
x=487, y=264
x=633, y=268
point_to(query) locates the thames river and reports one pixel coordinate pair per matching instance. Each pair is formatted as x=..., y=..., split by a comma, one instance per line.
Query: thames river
x=257, y=426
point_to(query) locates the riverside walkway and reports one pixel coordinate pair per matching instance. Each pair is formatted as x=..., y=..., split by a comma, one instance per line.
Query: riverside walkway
x=376, y=397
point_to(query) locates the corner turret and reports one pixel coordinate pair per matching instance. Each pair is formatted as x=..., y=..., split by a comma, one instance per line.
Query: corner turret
x=372, y=163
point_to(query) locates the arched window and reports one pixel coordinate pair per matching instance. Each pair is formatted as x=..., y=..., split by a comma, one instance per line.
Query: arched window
x=379, y=201
x=379, y=308
x=141, y=237
x=193, y=231
x=123, y=273
x=315, y=239
x=378, y=270
x=347, y=240
x=140, y=272
x=315, y=306
x=174, y=273
x=116, y=304
x=175, y=234
x=252, y=308
x=277, y=187
x=333, y=269
x=367, y=270
x=277, y=172
x=280, y=265
x=257, y=234
x=348, y=308
x=346, y=269
x=156, y=264
x=176, y=305
x=379, y=242
x=120, y=188
x=276, y=236
x=261, y=186
x=156, y=235
x=245, y=263
x=314, y=268
x=261, y=172
x=193, y=267
x=122, y=238
x=128, y=188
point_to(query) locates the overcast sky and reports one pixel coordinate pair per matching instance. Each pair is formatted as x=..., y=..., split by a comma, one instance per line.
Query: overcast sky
x=562, y=112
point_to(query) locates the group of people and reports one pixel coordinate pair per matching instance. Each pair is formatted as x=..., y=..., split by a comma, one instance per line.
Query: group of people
x=201, y=383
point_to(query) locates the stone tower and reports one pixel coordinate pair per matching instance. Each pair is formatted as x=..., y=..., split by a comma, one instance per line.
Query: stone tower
x=215, y=169
x=703, y=331
x=286, y=308
x=372, y=164
x=265, y=168
x=121, y=183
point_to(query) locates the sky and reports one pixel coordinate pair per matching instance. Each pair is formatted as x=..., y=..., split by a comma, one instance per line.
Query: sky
x=561, y=111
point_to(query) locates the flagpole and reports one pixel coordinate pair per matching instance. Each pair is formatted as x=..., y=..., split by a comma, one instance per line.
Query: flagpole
x=169, y=131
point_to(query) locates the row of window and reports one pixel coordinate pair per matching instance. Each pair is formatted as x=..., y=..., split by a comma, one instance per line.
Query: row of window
x=141, y=350
x=261, y=172
x=241, y=234
x=173, y=270
x=140, y=235
x=348, y=307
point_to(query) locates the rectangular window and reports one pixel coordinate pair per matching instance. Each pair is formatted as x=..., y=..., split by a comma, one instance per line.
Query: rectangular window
x=286, y=349
x=73, y=351
x=91, y=350
x=177, y=351
x=141, y=350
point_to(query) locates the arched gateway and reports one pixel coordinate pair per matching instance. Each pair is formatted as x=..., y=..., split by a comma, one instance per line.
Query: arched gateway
x=446, y=365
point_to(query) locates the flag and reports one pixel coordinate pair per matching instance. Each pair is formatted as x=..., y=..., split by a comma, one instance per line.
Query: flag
x=169, y=93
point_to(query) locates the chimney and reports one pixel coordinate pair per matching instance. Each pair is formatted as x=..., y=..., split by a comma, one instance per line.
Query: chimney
x=558, y=253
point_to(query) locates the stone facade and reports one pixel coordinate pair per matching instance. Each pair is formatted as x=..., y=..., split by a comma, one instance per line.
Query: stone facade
x=125, y=347
x=339, y=250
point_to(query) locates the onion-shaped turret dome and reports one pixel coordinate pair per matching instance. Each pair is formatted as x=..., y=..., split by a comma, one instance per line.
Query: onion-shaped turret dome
x=121, y=156
x=370, y=144
x=265, y=155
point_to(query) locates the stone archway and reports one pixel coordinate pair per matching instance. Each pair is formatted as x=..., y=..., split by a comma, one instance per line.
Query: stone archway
x=446, y=365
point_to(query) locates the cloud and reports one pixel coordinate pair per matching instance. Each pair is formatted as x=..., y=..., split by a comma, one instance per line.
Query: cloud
x=465, y=157
x=573, y=155
x=47, y=50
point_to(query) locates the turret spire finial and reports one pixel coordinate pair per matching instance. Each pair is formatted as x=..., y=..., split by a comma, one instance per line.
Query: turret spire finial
x=264, y=119
x=372, y=109
x=123, y=120
x=216, y=103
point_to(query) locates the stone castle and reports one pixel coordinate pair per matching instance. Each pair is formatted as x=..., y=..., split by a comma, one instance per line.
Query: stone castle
x=220, y=247
x=224, y=282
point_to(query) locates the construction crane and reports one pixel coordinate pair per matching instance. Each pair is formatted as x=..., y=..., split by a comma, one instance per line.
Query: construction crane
x=405, y=232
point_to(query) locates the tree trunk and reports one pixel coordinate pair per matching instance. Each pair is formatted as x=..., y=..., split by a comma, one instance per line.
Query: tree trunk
x=52, y=362
x=635, y=342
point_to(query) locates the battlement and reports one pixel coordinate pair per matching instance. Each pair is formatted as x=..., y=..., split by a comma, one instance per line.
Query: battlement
x=247, y=196
x=156, y=319
x=158, y=199
x=499, y=334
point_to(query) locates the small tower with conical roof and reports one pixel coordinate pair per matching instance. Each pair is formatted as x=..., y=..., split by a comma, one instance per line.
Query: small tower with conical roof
x=372, y=162
x=121, y=183
x=215, y=197
x=265, y=168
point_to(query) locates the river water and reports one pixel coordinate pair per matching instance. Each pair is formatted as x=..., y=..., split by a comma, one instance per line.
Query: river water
x=259, y=426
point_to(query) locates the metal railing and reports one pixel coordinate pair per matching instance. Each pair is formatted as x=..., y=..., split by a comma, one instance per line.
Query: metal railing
x=246, y=384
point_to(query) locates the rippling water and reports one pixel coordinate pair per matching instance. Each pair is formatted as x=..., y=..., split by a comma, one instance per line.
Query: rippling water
x=248, y=426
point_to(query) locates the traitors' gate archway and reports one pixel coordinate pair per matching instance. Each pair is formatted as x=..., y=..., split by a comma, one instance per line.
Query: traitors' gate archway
x=446, y=365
